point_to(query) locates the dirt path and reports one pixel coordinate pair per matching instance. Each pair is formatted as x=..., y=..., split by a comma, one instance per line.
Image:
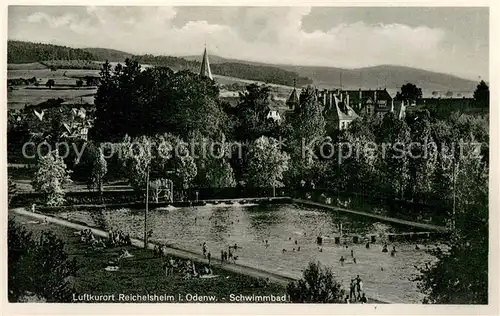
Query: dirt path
x=379, y=217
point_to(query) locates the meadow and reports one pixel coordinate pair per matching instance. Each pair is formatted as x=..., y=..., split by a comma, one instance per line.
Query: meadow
x=18, y=98
x=64, y=88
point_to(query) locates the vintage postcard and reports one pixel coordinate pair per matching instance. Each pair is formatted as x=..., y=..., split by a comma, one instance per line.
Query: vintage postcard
x=234, y=155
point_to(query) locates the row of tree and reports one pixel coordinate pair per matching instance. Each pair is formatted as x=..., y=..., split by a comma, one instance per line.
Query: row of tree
x=19, y=52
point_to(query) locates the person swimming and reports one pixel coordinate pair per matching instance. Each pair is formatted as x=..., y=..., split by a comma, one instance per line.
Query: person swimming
x=385, y=248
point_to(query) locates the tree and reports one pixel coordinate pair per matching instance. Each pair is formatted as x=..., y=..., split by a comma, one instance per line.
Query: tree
x=318, y=285
x=211, y=157
x=460, y=273
x=79, y=83
x=252, y=111
x=185, y=171
x=50, y=83
x=12, y=189
x=356, y=172
x=41, y=268
x=99, y=169
x=422, y=158
x=435, y=93
x=155, y=101
x=482, y=95
x=266, y=163
x=307, y=121
x=219, y=174
x=409, y=92
x=305, y=125
x=91, y=81
x=51, y=177
x=136, y=158
x=393, y=172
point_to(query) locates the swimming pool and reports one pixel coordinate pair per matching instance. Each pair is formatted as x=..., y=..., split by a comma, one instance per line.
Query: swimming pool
x=284, y=227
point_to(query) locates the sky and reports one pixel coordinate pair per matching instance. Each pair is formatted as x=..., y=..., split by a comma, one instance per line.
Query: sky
x=441, y=39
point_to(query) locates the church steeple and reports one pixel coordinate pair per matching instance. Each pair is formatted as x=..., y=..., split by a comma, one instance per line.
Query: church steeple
x=205, y=66
x=293, y=100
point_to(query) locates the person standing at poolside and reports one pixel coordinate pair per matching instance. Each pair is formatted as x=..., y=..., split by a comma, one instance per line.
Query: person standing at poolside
x=352, y=294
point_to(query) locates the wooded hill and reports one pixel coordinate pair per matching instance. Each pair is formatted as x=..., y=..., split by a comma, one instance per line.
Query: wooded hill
x=27, y=52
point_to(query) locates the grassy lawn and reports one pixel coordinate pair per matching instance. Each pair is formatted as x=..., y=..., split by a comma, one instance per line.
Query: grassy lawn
x=143, y=274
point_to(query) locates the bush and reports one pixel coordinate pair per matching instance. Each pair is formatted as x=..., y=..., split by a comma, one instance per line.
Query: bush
x=316, y=286
x=38, y=269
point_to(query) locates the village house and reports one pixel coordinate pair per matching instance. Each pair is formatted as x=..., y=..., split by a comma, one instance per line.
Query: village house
x=341, y=107
x=376, y=102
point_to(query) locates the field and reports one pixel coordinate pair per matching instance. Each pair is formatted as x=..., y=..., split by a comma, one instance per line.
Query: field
x=65, y=81
x=18, y=98
x=29, y=66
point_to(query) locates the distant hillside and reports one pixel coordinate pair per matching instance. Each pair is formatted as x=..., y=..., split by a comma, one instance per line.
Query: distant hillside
x=102, y=54
x=26, y=52
x=389, y=76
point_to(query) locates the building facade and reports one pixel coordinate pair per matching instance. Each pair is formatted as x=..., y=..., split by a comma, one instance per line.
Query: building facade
x=341, y=107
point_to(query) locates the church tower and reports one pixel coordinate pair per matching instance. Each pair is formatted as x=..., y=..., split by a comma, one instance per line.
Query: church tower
x=293, y=100
x=205, y=66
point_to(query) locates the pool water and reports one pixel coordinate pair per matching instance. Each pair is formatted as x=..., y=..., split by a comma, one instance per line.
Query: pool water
x=284, y=227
